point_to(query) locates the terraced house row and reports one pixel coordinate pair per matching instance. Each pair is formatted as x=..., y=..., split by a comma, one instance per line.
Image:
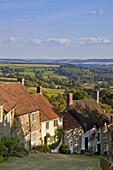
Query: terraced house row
x=30, y=116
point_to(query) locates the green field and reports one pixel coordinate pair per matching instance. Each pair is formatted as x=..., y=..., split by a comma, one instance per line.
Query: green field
x=52, y=74
x=47, y=91
x=51, y=92
x=28, y=65
x=49, y=161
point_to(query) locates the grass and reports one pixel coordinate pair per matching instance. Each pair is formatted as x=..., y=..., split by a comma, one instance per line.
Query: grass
x=51, y=92
x=47, y=91
x=28, y=65
x=30, y=73
x=52, y=74
x=49, y=161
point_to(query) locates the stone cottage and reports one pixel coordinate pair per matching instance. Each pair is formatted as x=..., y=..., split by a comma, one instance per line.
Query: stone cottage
x=20, y=114
x=30, y=117
x=50, y=119
x=90, y=130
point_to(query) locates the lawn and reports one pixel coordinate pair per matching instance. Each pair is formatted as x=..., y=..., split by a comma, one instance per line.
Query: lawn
x=49, y=161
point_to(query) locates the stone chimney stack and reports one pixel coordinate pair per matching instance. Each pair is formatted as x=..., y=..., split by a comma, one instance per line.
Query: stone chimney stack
x=21, y=80
x=69, y=99
x=39, y=89
x=96, y=95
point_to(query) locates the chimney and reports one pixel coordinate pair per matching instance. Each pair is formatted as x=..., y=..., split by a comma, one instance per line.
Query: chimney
x=21, y=80
x=69, y=99
x=96, y=95
x=39, y=89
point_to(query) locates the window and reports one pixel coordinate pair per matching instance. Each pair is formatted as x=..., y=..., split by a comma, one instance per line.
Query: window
x=47, y=125
x=33, y=137
x=106, y=147
x=55, y=122
x=34, y=117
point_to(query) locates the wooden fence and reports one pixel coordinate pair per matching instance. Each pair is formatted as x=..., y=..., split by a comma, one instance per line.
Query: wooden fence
x=105, y=164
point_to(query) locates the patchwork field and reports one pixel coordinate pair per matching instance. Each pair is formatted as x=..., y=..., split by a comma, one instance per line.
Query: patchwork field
x=52, y=162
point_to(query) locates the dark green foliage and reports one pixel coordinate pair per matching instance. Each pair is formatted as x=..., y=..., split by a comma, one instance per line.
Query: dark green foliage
x=64, y=149
x=44, y=148
x=86, y=75
x=58, y=134
x=1, y=159
x=59, y=101
x=11, y=147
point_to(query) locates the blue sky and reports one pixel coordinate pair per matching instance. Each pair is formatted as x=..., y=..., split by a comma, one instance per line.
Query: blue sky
x=56, y=29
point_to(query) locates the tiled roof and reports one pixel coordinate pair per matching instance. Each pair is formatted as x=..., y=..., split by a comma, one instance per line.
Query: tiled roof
x=10, y=101
x=2, y=101
x=88, y=113
x=47, y=111
x=17, y=91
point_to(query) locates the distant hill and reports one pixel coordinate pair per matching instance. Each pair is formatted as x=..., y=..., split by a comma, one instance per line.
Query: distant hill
x=85, y=62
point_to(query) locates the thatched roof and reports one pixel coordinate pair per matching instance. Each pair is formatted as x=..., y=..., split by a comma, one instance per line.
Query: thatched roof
x=87, y=113
x=69, y=122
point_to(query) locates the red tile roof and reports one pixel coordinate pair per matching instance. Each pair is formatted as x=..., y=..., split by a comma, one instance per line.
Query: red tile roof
x=10, y=102
x=18, y=92
x=47, y=111
x=2, y=101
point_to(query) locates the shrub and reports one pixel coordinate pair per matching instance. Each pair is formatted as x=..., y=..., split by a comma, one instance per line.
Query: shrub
x=1, y=159
x=44, y=148
x=11, y=147
x=58, y=134
x=64, y=149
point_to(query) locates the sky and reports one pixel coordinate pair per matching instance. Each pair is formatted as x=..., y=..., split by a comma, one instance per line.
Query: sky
x=56, y=29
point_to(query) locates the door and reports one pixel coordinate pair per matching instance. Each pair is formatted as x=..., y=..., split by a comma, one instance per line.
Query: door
x=86, y=143
x=98, y=152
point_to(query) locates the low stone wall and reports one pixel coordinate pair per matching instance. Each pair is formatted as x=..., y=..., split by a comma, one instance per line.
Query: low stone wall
x=105, y=164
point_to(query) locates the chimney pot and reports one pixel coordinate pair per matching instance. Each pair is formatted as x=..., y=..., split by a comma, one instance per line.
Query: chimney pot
x=69, y=99
x=96, y=95
x=21, y=80
x=39, y=89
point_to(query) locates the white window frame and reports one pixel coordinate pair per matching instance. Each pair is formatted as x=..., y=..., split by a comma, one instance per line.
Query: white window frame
x=33, y=137
x=34, y=117
x=47, y=125
x=55, y=123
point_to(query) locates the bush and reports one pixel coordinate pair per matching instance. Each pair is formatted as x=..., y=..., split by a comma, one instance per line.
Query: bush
x=44, y=148
x=11, y=147
x=58, y=134
x=64, y=149
x=1, y=159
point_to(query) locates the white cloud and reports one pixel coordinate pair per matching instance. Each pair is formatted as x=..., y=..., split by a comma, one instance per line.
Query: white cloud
x=52, y=41
x=93, y=40
x=95, y=12
x=36, y=42
x=59, y=41
x=11, y=39
x=92, y=12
